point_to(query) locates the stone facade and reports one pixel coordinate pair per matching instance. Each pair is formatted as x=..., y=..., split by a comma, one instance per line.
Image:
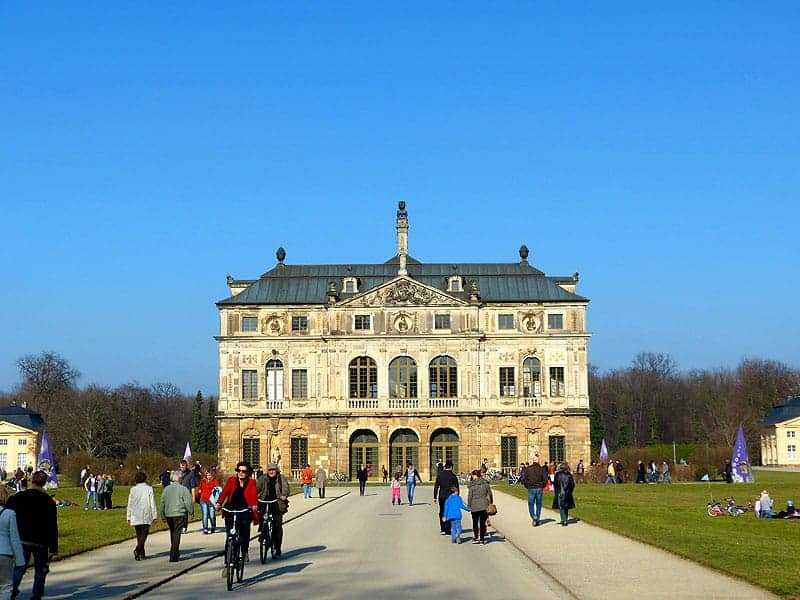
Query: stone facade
x=340, y=364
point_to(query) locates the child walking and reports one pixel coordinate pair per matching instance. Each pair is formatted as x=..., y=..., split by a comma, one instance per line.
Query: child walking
x=452, y=512
x=396, y=489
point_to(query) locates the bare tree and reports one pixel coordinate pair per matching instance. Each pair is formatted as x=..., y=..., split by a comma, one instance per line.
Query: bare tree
x=45, y=377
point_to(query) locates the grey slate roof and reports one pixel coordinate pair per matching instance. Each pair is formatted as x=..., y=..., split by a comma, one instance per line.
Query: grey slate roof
x=24, y=417
x=784, y=412
x=497, y=282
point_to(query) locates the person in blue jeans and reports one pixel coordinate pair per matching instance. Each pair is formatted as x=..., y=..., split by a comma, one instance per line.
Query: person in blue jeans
x=534, y=477
x=90, y=485
x=452, y=514
x=411, y=481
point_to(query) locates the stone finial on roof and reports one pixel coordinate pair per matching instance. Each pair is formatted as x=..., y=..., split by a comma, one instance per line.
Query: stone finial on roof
x=280, y=254
x=474, y=292
x=402, y=237
x=332, y=293
x=401, y=210
x=523, y=254
x=577, y=277
x=229, y=279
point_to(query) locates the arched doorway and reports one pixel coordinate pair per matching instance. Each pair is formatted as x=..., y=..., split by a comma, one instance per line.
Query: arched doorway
x=363, y=450
x=444, y=447
x=403, y=448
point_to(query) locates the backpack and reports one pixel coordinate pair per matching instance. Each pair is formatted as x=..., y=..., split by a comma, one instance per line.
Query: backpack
x=215, y=492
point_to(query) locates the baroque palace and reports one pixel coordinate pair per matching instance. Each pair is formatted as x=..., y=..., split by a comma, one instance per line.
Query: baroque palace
x=401, y=361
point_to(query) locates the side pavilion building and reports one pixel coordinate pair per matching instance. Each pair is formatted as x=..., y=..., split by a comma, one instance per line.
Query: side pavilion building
x=401, y=361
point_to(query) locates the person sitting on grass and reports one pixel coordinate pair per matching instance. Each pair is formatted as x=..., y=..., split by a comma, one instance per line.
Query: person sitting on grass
x=791, y=512
x=452, y=513
x=766, y=506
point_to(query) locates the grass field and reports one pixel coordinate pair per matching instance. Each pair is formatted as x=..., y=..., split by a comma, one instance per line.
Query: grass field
x=673, y=517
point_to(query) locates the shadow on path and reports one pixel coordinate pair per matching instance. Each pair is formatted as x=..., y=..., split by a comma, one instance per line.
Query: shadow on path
x=273, y=573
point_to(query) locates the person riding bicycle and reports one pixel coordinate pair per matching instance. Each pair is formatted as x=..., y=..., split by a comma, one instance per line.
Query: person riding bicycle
x=274, y=486
x=240, y=492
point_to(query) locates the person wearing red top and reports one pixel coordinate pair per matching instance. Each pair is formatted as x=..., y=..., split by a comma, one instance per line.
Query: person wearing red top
x=240, y=492
x=207, y=485
x=307, y=477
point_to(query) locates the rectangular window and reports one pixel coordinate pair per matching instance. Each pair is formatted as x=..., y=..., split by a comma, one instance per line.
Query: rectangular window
x=362, y=322
x=507, y=381
x=299, y=452
x=3, y=459
x=790, y=434
x=22, y=442
x=441, y=322
x=249, y=384
x=299, y=323
x=251, y=451
x=299, y=384
x=250, y=324
x=508, y=453
x=455, y=284
x=555, y=321
x=505, y=321
x=350, y=286
x=22, y=459
x=3, y=441
x=558, y=451
x=557, y=387
x=792, y=450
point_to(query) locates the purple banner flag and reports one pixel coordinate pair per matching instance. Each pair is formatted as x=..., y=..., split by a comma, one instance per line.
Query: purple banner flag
x=46, y=463
x=603, y=451
x=740, y=461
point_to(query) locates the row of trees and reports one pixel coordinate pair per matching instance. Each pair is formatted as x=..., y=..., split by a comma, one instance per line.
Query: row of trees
x=110, y=422
x=652, y=402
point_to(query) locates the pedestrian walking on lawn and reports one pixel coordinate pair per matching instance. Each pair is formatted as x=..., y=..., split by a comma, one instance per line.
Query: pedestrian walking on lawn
x=176, y=507
x=446, y=480
x=665, y=472
x=90, y=485
x=320, y=481
x=141, y=512
x=452, y=514
x=640, y=472
x=563, y=499
x=412, y=476
x=11, y=553
x=479, y=497
x=38, y=531
x=534, y=477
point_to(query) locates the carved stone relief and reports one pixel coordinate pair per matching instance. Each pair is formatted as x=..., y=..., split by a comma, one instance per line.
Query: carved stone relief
x=272, y=324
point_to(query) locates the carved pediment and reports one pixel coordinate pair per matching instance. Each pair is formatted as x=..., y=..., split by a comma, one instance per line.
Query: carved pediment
x=403, y=292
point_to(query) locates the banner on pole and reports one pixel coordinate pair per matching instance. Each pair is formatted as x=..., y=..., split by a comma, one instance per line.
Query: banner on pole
x=45, y=463
x=187, y=454
x=740, y=461
x=603, y=451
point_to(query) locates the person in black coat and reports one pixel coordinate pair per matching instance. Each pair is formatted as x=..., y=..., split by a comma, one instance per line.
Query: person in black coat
x=362, y=474
x=562, y=492
x=445, y=480
x=640, y=475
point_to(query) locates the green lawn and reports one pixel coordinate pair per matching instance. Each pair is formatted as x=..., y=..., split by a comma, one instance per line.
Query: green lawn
x=673, y=517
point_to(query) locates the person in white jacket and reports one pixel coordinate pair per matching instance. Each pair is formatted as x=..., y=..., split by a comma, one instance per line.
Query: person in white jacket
x=11, y=554
x=141, y=512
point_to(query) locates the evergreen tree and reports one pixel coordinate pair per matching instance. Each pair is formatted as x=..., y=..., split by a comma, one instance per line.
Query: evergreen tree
x=597, y=429
x=654, y=437
x=624, y=439
x=198, y=430
x=211, y=442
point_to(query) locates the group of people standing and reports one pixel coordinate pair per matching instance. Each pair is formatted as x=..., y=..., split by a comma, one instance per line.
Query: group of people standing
x=99, y=489
x=310, y=480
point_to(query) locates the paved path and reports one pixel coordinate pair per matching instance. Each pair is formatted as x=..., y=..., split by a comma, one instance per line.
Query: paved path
x=352, y=547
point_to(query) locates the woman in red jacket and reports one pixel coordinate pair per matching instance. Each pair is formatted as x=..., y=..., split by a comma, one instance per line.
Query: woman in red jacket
x=239, y=493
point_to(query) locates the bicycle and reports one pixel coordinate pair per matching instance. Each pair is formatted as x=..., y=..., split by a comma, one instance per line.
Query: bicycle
x=234, y=560
x=265, y=538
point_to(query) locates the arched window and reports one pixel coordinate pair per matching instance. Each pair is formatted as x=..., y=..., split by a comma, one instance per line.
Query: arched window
x=403, y=377
x=363, y=450
x=443, y=376
x=274, y=380
x=403, y=448
x=444, y=447
x=251, y=447
x=363, y=378
x=531, y=377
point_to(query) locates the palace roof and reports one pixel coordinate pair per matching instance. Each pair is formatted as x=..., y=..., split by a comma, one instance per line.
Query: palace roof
x=22, y=417
x=785, y=412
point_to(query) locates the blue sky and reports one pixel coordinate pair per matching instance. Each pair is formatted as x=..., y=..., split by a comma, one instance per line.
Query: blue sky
x=146, y=152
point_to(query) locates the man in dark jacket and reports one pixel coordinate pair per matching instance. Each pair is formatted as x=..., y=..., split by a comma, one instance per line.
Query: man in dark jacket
x=38, y=530
x=445, y=479
x=534, y=478
x=274, y=486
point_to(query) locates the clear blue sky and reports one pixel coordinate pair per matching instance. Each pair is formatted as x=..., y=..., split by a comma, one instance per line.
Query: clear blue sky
x=146, y=152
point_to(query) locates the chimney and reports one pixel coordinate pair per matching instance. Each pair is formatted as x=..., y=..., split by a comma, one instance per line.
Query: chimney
x=402, y=237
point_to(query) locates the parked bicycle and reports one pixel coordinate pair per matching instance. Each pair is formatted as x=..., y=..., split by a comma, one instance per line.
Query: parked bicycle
x=265, y=537
x=234, y=556
x=335, y=475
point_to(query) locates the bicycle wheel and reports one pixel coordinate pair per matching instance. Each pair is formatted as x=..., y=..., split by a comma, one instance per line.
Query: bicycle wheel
x=264, y=542
x=272, y=547
x=231, y=553
x=240, y=564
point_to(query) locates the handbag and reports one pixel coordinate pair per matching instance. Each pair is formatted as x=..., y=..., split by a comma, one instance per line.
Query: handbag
x=491, y=509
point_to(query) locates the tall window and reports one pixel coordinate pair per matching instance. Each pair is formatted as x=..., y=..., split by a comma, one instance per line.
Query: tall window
x=299, y=384
x=251, y=450
x=300, y=323
x=505, y=321
x=555, y=321
x=790, y=434
x=792, y=451
x=507, y=381
x=3, y=459
x=363, y=378
x=508, y=453
x=299, y=452
x=557, y=387
x=22, y=459
x=403, y=378
x=3, y=441
x=531, y=377
x=558, y=452
x=249, y=324
x=249, y=384
x=443, y=374
x=361, y=322
x=274, y=380
x=441, y=321
x=22, y=442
